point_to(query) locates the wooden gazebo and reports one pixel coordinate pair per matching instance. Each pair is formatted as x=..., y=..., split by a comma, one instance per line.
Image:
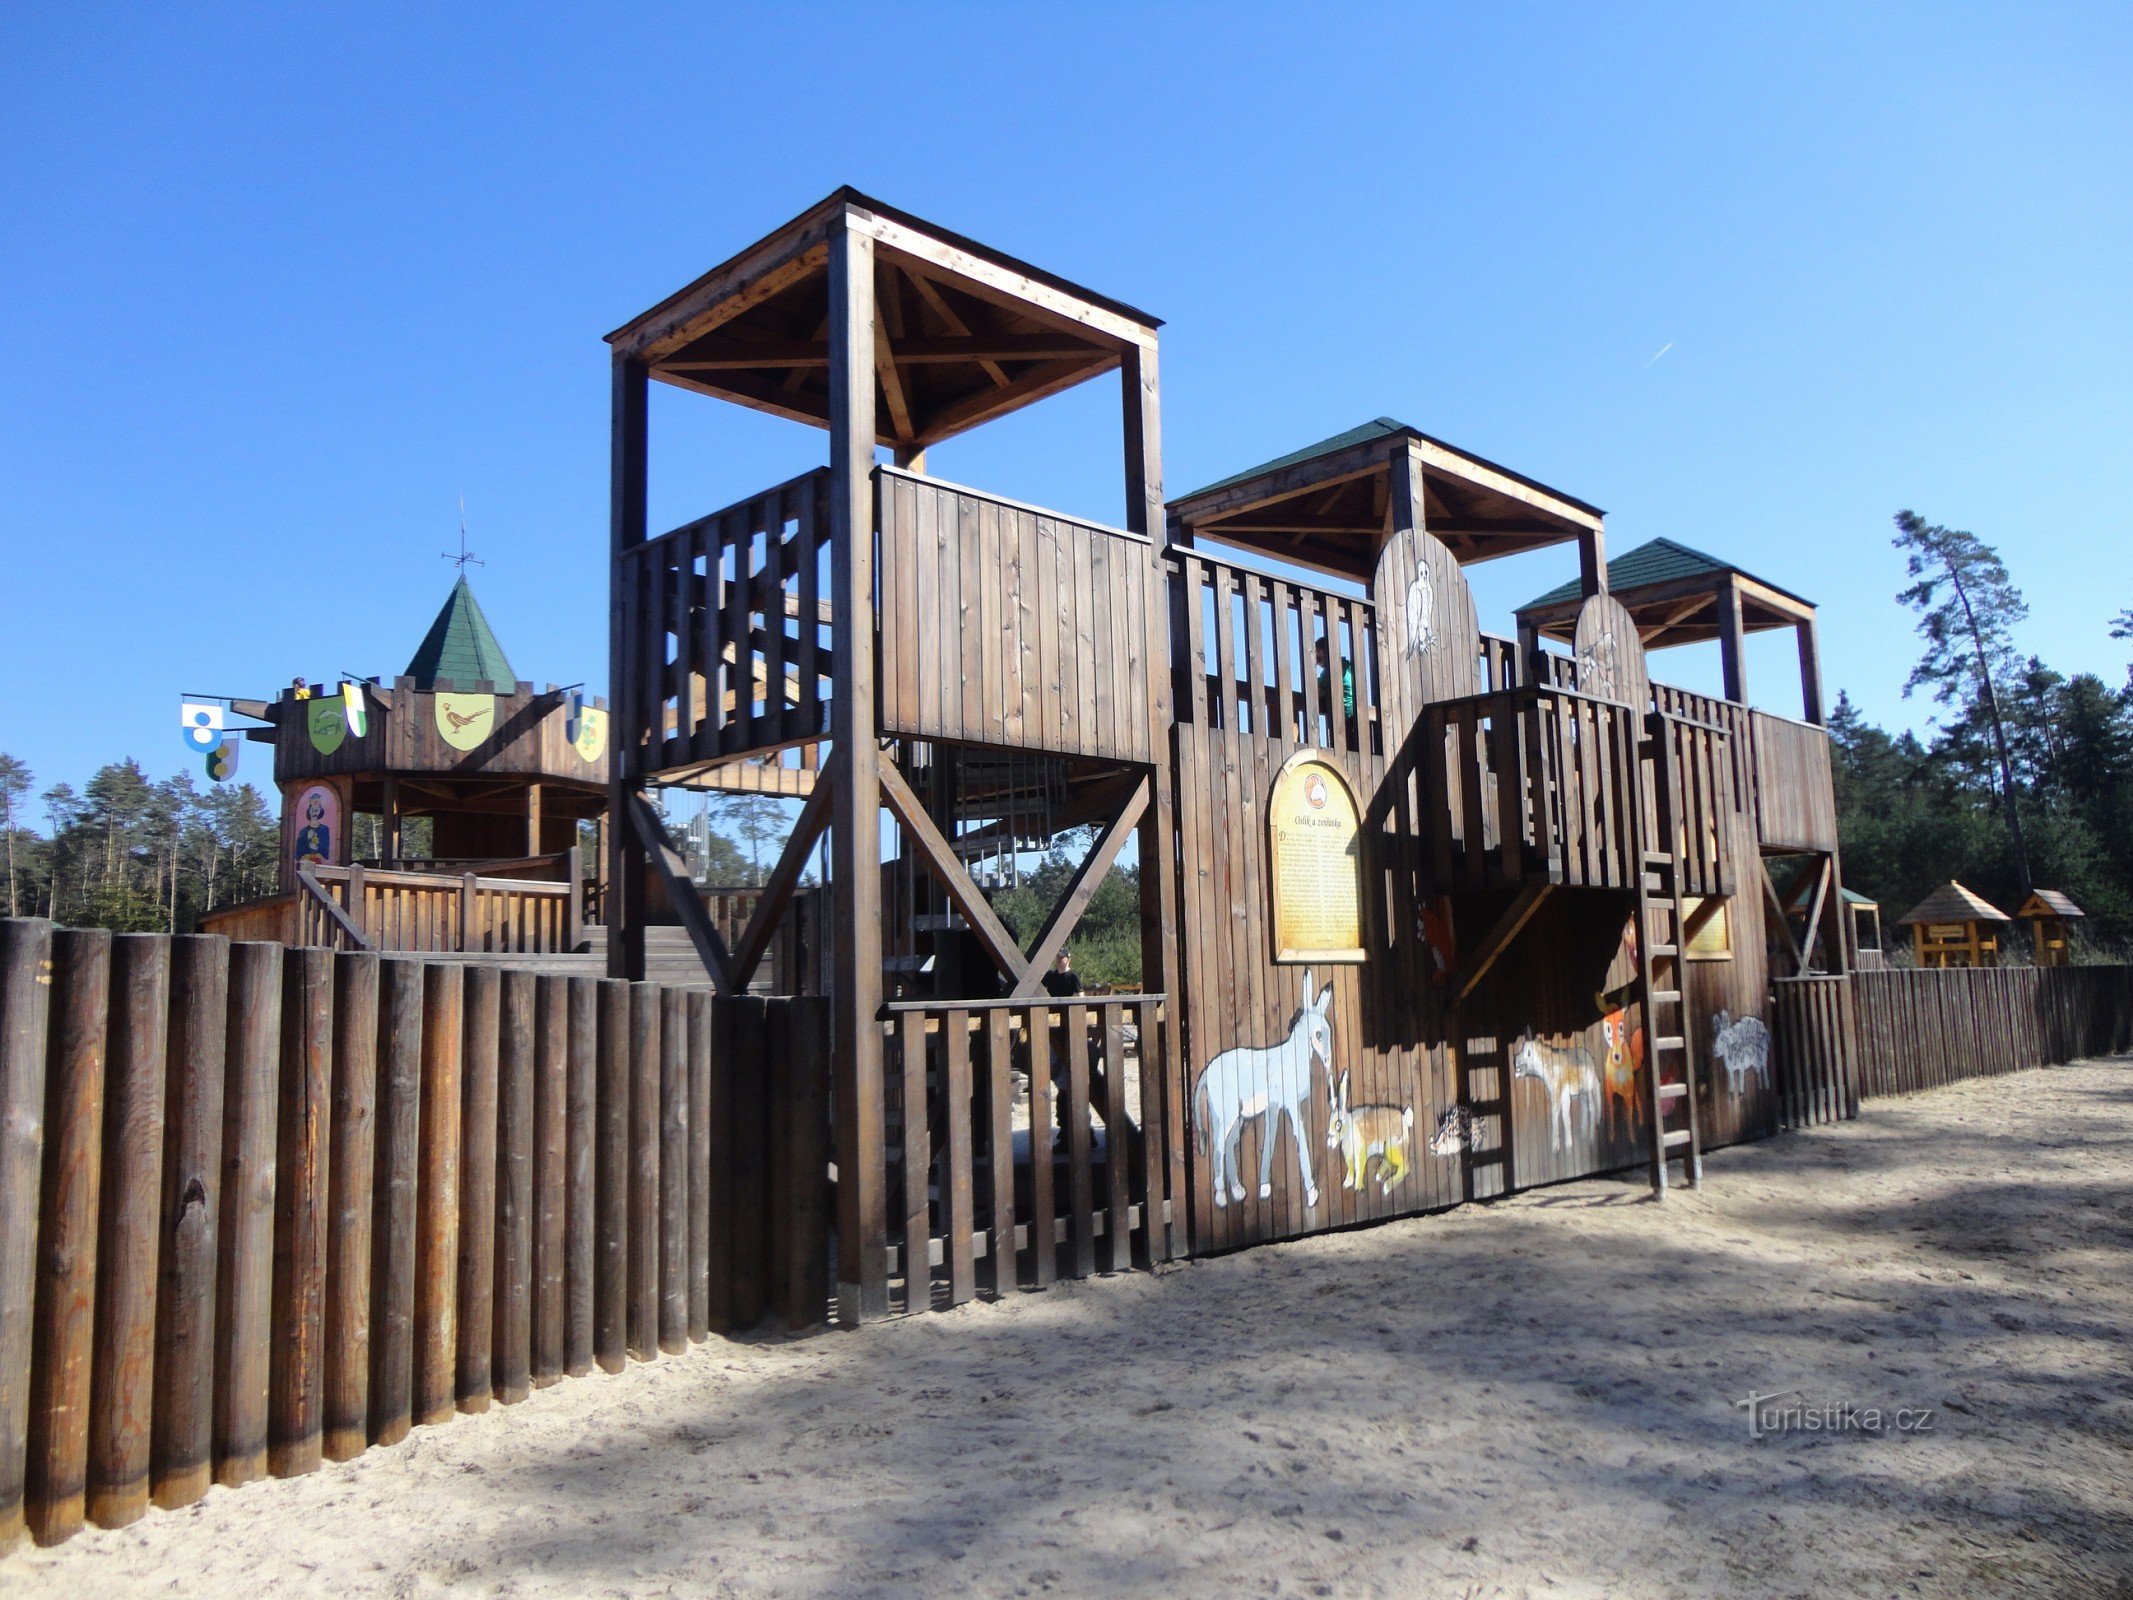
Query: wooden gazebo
x=1677, y=595
x=2050, y=916
x=1953, y=927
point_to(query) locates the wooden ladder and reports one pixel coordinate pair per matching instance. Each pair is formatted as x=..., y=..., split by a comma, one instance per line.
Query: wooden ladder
x=1661, y=980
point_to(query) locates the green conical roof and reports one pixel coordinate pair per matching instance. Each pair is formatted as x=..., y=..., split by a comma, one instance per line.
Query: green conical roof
x=460, y=646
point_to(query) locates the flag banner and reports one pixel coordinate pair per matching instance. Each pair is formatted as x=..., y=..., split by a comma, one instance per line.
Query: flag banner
x=328, y=723
x=199, y=714
x=571, y=717
x=201, y=740
x=222, y=760
x=356, y=708
x=591, y=737
x=464, y=720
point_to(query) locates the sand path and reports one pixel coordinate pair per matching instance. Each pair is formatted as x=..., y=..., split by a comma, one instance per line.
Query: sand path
x=1531, y=1398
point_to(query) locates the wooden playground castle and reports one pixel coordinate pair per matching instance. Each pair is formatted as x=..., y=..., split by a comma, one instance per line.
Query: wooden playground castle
x=1534, y=942
x=1426, y=916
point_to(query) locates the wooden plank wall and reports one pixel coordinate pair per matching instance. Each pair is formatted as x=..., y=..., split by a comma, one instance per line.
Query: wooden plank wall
x=281, y=1205
x=528, y=741
x=1796, y=807
x=1920, y=1028
x=728, y=623
x=1005, y=1161
x=1814, y=1050
x=1005, y=625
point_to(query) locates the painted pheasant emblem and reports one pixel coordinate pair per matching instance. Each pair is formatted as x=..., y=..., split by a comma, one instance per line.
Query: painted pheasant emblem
x=459, y=722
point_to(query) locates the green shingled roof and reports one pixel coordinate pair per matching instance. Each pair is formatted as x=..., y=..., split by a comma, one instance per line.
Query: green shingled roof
x=1381, y=428
x=1660, y=561
x=460, y=646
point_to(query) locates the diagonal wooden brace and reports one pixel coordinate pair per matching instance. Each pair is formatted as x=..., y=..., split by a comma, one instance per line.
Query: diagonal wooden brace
x=1086, y=882
x=681, y=893
x=963, y=891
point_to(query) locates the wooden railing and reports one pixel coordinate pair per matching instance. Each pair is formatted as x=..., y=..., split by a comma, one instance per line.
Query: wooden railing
x=729, y=628
x=1543, y=786
x=354, y=908
x=1271, y=656
x=1536, y=786
x=1027, y=1141
x=343, y=1195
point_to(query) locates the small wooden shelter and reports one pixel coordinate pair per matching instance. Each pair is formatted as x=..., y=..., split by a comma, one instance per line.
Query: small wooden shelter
x=2050, y=916
x=1953, y=927
x=503, y=771
x=1677, y=595
x=1865, y=916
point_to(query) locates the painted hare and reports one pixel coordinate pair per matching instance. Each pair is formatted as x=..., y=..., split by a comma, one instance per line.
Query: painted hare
x=1361, y=1132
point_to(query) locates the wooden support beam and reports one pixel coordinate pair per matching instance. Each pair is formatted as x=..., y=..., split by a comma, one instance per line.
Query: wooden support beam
x=1592, y=560
x=681, y=891
x=784, y=878
x=1087, y=880
x=627, y=470
x=1498, y=940
x=1732, y=636
x=938, y=856
x=953, y=323
x=1814, y=914
x=1810, y=672
x=1777, y=911
x=855, y=830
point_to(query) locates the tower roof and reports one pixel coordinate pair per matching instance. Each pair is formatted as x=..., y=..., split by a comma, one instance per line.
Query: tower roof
x=460, y=645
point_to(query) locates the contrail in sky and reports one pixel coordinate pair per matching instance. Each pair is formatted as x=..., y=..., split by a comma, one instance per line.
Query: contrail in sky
x=1663, y=349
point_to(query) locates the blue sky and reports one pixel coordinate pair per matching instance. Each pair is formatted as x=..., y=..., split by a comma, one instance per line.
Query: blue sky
x=277, y=288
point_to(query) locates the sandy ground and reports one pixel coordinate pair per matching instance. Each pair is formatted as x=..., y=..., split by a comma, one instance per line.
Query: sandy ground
x=1537, y=1397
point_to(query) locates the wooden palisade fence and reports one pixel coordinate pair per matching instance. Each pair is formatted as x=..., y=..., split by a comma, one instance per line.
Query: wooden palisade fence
x=1919, y=1029
x=263, y=1207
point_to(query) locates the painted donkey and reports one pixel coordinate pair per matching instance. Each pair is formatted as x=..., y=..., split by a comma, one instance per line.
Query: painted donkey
x=1267, y=1082
x=1566, y=1075
x=1361, y=1133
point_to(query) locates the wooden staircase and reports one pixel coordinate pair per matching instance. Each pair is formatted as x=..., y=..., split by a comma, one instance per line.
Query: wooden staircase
x=1661, y=976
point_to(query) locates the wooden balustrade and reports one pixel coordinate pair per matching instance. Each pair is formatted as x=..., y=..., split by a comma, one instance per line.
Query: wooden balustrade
x=355, y=908
x=1026, y=1144
x=728, y=630
x=1247, y=656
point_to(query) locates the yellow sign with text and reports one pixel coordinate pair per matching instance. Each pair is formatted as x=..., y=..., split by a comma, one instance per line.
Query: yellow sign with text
x=1317, y=861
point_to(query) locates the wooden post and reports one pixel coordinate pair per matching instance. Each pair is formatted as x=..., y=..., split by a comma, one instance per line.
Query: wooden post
x=1141, y=415
x=551, y=1066
x=533, y=820
x=437, y=1197
x=611, y=1175
x=583, y=1061
x=389, y=829
x=855, y=834
x=350, y=1175
x=643, y=1322
x=511, y=1336
x=398, y=1120
x=354, y=891
x=192, y=1172
x=1810, y=672
x=1732, y=636
x=304, y=1125
x=25, y=990
x=673, y=1170
x=626, y=859
x=123, y=1362
x=66, y=1229
x=244, y=1286
x=574, y=907
x=1529, y=652
x=1592, y=562
x=483, y=1062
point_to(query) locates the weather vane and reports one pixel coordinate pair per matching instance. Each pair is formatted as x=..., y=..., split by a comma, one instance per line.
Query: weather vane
x=466, y=557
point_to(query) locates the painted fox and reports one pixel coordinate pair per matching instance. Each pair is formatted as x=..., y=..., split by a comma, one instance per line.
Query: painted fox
x=1360, y=1133
x=1625, y=1059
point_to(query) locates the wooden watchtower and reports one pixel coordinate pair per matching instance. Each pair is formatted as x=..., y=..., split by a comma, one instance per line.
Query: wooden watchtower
x=2051, y=916
x=915, y=640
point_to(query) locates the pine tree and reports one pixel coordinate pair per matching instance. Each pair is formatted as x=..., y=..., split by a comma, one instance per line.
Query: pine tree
x=1967, y=610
